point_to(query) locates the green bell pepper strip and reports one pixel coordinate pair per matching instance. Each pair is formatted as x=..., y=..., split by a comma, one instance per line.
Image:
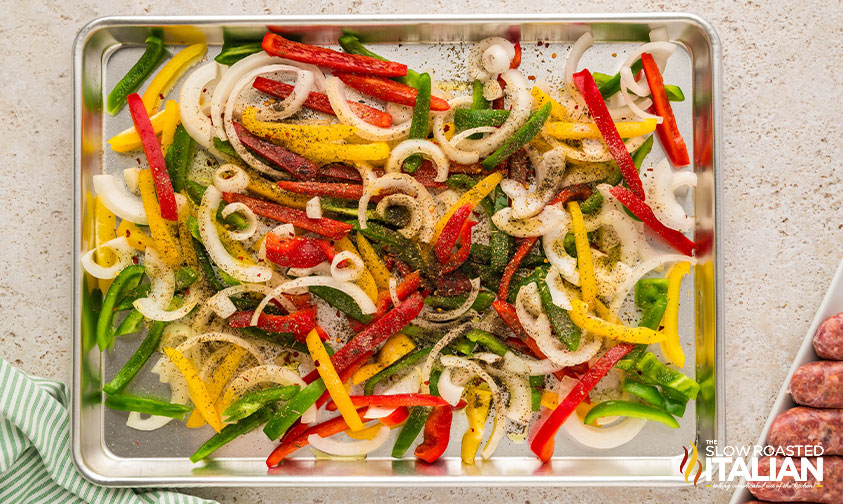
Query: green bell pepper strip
x=565, y=330
x=536, y=386
x=136, y=361
x=459, y=345
x=482, y=254
x=470, y=118
x=179, y=157
x=630, y=409
x=231, y=53
x=638, y=157
x=400, y=365
x=395, y=242
x=433, y=386
x=231, y=432
x=256, y=400
x=207, y=269
x=184, y=276
x=520, y=138
x=287, y=340
x=502, y=244
x=130, y=324
x=352, y=45
x=520, y=281
x=420, y=122
x=592, y=204
x=648, y=369
x=463, y=182
x=411, y=429
x=569, y=242
x=91, y=305
x=341, y=301
x=224, y=146
x=147, y=405
x=651, y=394
x=651, y=316
x=105, y=329
x=650, y=290
x=488, y=340
x=293, y=409
x=481, y=304
x=611, y=86
x=675, y=403
x=337, y=206
x=133, y=79
x=195, y=191
x=478, y=101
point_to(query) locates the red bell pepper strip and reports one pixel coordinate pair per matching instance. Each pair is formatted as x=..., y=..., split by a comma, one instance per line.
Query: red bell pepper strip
x=340, y=171
x=543, y=443
x=529, y=347
x=292, y=444
x=396, y=417
x=455, y=284
x=299, y=323
x=297, y=166
x=393, y=401
x=451, y=231
x=437, y=434
x=516, y=60
x=508, y=272
x=276, y=45
x=426, y=173
x=597, y=107
x=507, y=313
x=574, y=192
x=152, y=150
x=461, y=255
x=297, y=252
x=668, y=130
x=641, y=210
x=330, y=189
x=388, y=90
x=320, y=102
x=409, y=284
x=329, y=228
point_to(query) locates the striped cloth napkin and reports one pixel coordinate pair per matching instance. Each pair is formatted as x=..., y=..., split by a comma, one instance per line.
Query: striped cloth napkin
x=35, y=465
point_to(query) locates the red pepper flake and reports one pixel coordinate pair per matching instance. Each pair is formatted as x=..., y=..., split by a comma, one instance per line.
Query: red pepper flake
x=553, y=55
x=614, y=55
x=531, y=77
x=539, y=43
x=135, y=260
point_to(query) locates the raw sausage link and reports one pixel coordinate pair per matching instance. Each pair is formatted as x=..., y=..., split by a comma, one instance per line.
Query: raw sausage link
x=831, y=491
x=809, y=426
x=818, y=384
x=828, y=342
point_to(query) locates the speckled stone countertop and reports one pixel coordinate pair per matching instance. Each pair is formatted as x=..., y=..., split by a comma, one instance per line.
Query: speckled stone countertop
x=783, y=195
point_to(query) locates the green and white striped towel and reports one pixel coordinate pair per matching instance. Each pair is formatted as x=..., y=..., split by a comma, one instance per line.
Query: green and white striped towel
x=35, y=465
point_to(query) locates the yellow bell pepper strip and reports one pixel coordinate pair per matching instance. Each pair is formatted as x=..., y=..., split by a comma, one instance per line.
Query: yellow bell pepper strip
x=286, y=133
x=557, y=110
x=366, y=434
x=137, y=239
x=268, y=190
x=88, y=230
x=188, y=252
x=373, y=263
x=579, y=131
x=327, y=152
x=585, y=263
x=366, y=281
x=471, y=197
x=396, y=346
x=129, y=140
x=166, y=243
x=332, y=381
x=196, y=388
x=550, y=400
x=477, y=405
x=168, y=130
x=104, y=224
x=671, y=348
x=618, y=332
x=167, y=77
x=222, y=374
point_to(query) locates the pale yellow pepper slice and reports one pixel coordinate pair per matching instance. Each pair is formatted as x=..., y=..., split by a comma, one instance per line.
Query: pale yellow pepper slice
x=579, y=131
x=373, y=262
x=222, y=374
x=326, y=152
x=332, y=381
x=163, y=232
x=557, y=110
x=478, y=400
x=104, y=230
x=267, y=190
x=168, y=130
x=167, y=77
x=671, y=347
x=585, y=262
x=129, y=140
x=599, y=327
x=473, y=197
x=286, y=133
x=89, y=211
x=397, y=346
x=366, y=281
x=137, y=239
x=196, y=388
x=185, y=238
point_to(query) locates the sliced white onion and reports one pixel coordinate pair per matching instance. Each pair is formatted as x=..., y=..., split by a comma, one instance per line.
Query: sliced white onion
x=123, y=254
x=582, y=44
x=130, y=175
x=211, y=240
x=218, y=298
x=432, y=315
x=223, y=307
x=457, y=154
x=408, y=384
x=335, y=89
x=169, y=374
x=538, y=327
x=496, y=59
x=462, y=135
x=323, y=268
x=660, y=185
x=480, y=67
x=641, y=89
x=630, y=232
x=497, y=398
x=450, y=388
x=291, y=105
x=363, y=301
x=120, y=201
x=638, y=271
x=193, y=118
x=444, y=341
x=404, y=183
x=558, y=295
x=426, y=148
x=554, y=250
x=540, y=225
x=522, y=365
x=332, y=446
x=604, y=438
x=353, y=269
x=400, y=113
x=213, y=337
x=248, y=214
x=514, y=189
x=519, y=410
x=393, y=291
x=313, y=208
x=152, y=312
x=230, y=178
x=412, y=206
x=162, y=281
